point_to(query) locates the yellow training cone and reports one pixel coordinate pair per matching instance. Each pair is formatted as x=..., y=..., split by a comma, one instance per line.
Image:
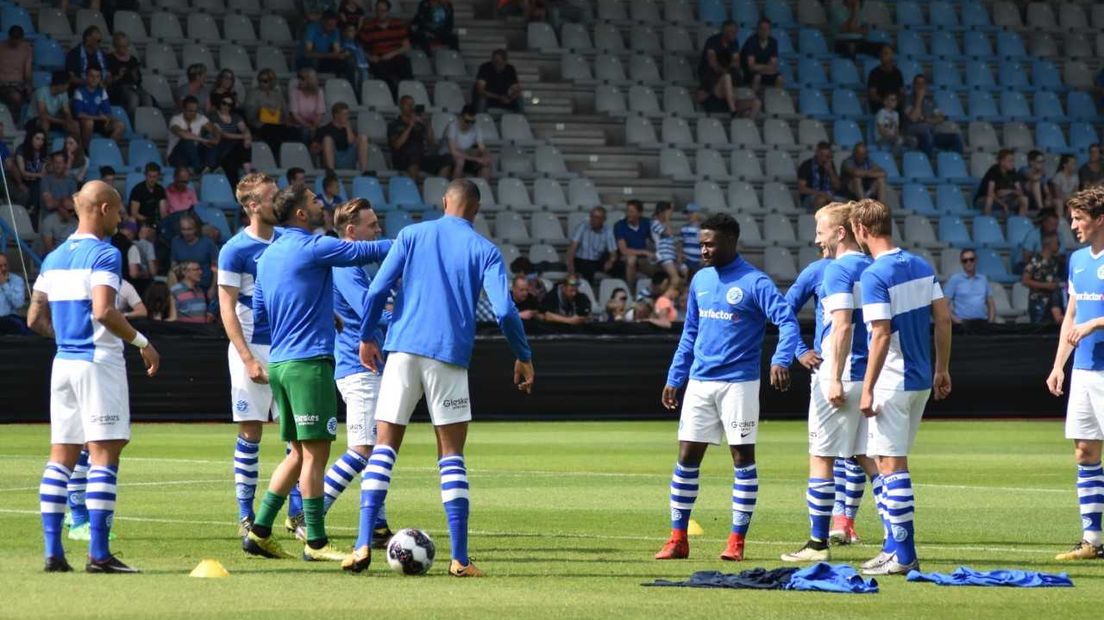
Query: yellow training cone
x=694, y=529
x=209, y=569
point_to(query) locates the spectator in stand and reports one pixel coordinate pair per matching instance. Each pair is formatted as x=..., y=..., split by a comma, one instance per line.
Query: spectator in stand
x=322, y=48
x=148, y=203
x=13, y=296
x=296, y=177
x=887, y=124
x=215, y=236
x=141, y=260
x=331, y=195
x=1043, y=276
x=666, y=303
x=413, y=144
x=759, y=56
x=847, y=30
x=58, y=226
x=1092, y=172
x=724, y=41
x=85, y=56
x=521, y=265
x=233, y=142
x=972, y=304
x=632, y=235
x=884, y=79
x=1001, y=186
x=190, y=137
x=593, y=248
x=124, y=75
x=75, y=159
x=463, y=143
x=267, y=114
x=107, y=175
x=92, y=107
x=189, y=295
x=160, y=305
x=644, y=312
x=1034, y=181
x=564, y=304
x=350, y=13
x=357, y=55
x=1032, y=242
x=387, y=43
x=148, y=244
x=16, y=55
x=527, y=303
x=688, y=234
x=617, y=306
x=571, y=11
x=433, y=26
x=1064, y=183
x=192, y=247
x=129, y=302
x=717, y=94
x=57, y=186
x=195, y=86
x=497, y=85
x=339, y=144
x=225, y=86
x=307, y=104
x=924, y=124
x=1098, y=89
x=50, y=109
x=817, y=181
x=861, y=177
x=665, y=243
x=180, y=195
x=30, y=167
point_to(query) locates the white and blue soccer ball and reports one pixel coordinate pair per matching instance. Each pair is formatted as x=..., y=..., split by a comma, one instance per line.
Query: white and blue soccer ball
x=411, y=552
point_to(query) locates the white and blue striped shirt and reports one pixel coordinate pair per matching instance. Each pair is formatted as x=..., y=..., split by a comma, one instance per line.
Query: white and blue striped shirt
x=899, y=287
x=593, y=244
x=664, y=242
x=68, y=276
x=237, y=266
x=841, y=290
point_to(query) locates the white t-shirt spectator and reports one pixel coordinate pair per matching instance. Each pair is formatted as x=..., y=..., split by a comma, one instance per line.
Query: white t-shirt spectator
x=128, y=298
x=887, y=120
x=465, y=140
x=196, y=127
x=141, y=253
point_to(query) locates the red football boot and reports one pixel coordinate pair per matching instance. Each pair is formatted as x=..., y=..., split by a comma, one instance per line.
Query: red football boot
x=677, y=548
x=734, y=552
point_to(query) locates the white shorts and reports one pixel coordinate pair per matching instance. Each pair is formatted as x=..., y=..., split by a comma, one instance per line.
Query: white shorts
x=1085, y=412
x=406, y=377
x=838, y=432
x=715, y=409
x=250, y=402
x=89, y=401
x=360, y=392
x=893, y=431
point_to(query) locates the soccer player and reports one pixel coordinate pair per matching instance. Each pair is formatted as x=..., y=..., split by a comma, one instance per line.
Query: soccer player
x=74, y=302
x=250, y=395
x=900, y=298
x=836, y=427
x=1082, y=330
x=444, y=264
x=728, y=306
x=294, y=294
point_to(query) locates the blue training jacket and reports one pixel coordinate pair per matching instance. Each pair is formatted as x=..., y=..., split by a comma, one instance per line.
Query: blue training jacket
x=806, y=286
x=350, y=300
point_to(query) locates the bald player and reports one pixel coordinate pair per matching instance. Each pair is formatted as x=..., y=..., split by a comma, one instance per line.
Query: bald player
x=74, y=303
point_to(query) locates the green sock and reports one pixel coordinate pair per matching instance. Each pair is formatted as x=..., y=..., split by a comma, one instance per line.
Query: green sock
x=314, y=514
x=270, y=507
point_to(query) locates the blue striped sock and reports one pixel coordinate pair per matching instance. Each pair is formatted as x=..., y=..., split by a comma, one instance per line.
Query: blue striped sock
x=878, y=490
x=454, y=495
x=684, y=491
x=295, y=498
x=101, y=508
x=51, y=502
x=819, y=497
x=375, y=480
x=900, y=506
x=340, y=474
x=247, y=459
x=839, y=479
x=856, y=484
x=745, y=489
x=1090, y=497
x=78, y=484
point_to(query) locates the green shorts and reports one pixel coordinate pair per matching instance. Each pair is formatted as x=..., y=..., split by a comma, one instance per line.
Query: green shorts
x=306, y=398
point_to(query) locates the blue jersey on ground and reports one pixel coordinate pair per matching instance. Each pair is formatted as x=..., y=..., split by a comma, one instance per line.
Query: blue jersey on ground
x=294, y=290
x=726, y=315
x=444, y=264
x=842, y=291
x=68, y=276
x=899, y=287
x=1086, y=285
x=350, y=300
x=237, y=266
x=806, y=286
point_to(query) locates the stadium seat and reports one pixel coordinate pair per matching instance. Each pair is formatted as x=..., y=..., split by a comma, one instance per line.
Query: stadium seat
x=130, y=23
x=582, y=194
x=274, y=29
x=845, y=103
x=607, y=38
x=639, y=131
x=513, y=160
x=979, y=76
x=645, y=41
x=549, y=161
x=779, y=165
x=980, y=163
x=141, y=152
x=810, y=132
x=370, y=189
x=778, y=230
x=546, y=259
x=950, y=105
x=944, y=45
x=779, y=264
x=711, y=132
x=810, y=73
x=337, y=90
x=777, y=133
x=575, y=68
x=549, y=194
x=1002, y=302
x=542, y=37
x=673, y=163
x=1040, y=16
x=742, y=197
x=202, y=27
x=644, y=70
x=377, y=96
x=395, y=221
x=1010, y=46
x=909, y=15
x=984, y=108
x=165, y=27
x=513, y=195
x=918, y=232
x=993, y=267
x=777, y=197
x=945, y=75
x=750, y=235
x=677, y=40
x=942, y=16
x=237, y=28
x=779, y=14
x=810, y=42
x=161, y=58
x=612, y=11
x=886, y=162
x=745, y=166
x=777, y=102
x=643, y=100
x=987, y=232
x=911, y=45
x=1048, y=107
x=916, y=198
x=415, y=89
x=1082, y=136
x=1049, y=136
x=448, y=96
x=982, y=136
x=812, y=103
x=975, y=15
x=952, y=231
x=1081, y=106
x=510, y=227
x=609, y=69
x=51, y=22
x=1017, y=136
x=710, y=164
x=48, y=55
x=449, y=63
x=845, y=74
x=1043, y=45
x=1006, y=15
x=234, y=57
x=214, y=215
x=952, y=168
x=976, y=45
x=608, y=99
x=745, y=133
x=546, y=227
x=214, y=188
x=262, y=157
x=269, y=57
x=1077, y=75
x=104, y=152
x=1018, y=228
x=712, y=12
x=1013, y=76
x=1077, y=45
x=917, y=168
x=402, y=192
x=295, y=155
x=708, y=195
x=1045, y=75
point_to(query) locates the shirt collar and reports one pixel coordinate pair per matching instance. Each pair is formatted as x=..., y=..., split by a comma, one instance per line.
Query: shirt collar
x=734, y=264
x=888, y=253
x=80, y=236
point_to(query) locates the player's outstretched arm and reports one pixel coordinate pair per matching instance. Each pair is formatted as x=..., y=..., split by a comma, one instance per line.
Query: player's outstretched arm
x=38, y=315
x=941, y=382
x=1057, y=377
x=338, y=253
x=104, y=311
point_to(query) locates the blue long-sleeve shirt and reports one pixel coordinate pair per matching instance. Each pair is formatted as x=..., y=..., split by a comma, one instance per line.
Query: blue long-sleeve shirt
x=806, y=286
x=350, y=299
x=294, y=290
x=722, y=338
x=444, y=264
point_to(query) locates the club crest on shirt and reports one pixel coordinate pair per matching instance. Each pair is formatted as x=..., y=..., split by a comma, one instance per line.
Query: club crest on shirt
x=734, y=295
x=1100, y=272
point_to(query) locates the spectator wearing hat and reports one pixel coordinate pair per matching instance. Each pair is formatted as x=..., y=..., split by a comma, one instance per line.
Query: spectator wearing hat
x=563, y=304
x=593, y=247
x=16, y=55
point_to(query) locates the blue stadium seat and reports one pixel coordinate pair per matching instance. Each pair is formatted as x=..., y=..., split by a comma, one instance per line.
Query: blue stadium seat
x=982, y=107
x=976, y=45
x=952, y=231
x=952, y=168
x=950, y=105
x=745, y=13
x=845, y=103
x=886, y=162
x=711, y=11
x=785, y=45
x=909, y=15
x=950, y=201
x=811, y=103
x=104, y=152
x=1082, y=136
x=992, y=265
x=48, y=54
x=909, y=70
x=846, y=134
x=394, y=221
x=917, y=168
x=941, y=15
x=988, y=233
x=141, y=152
x=975, y=15
x=945, y=75
x=1081, y=106
x=910, y=45
x=320, y=180
x=811, y=43
x=370, y=189
x=215, y=216
x=132, y=181
x=1013, y=76
x=1018, y=228
x=979, y=76
x=120, y=115
x=1014, y=106
x=916, y=198
x=404, y=193
x=845, y=74
x=944, y=45
x=779, y=14
x=40, y=78
x=810, y=73
x=1045, y=76
x=1049, y=137
x=1010, y=46
x=1048, y=107
x=12, y=15
x=215, y=188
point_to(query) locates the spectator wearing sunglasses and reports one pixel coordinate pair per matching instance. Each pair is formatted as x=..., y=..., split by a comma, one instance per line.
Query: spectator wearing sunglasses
x=464, y=142
x=266, y=112
x=972, y=304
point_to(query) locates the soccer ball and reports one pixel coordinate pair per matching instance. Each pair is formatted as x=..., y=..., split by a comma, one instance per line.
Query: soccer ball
x=410, y=552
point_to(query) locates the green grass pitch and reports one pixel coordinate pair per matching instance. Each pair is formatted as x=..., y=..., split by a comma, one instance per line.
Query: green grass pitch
x=565, y=519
